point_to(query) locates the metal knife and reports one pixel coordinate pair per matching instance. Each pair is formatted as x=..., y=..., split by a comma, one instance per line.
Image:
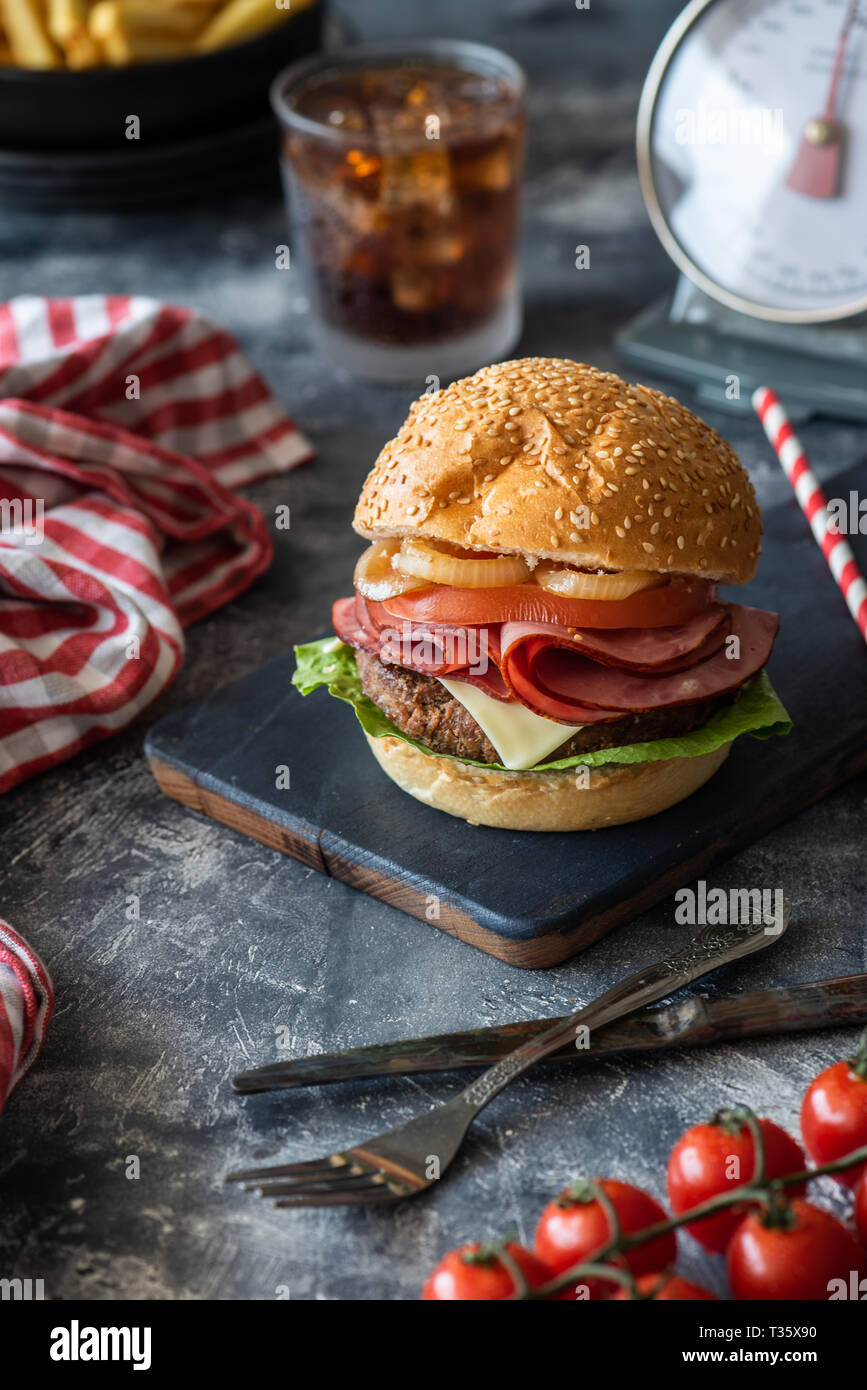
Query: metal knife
x=694, y=1021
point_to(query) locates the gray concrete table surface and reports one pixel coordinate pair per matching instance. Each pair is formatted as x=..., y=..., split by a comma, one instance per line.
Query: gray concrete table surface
x=240, y=955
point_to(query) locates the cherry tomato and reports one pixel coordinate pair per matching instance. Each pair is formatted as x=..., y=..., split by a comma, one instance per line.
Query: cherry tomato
x=575, y=1225
x=794, y=1260
x=834, y=1114
x=669, y=1288
x=712, y=1158
x=529, y=603
x=861, y=1209
x=476, y=1273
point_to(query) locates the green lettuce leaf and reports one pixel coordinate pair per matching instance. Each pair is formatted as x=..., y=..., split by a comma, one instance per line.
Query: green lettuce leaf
x=757, y=711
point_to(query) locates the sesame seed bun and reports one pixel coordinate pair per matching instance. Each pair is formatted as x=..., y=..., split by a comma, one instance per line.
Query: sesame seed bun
x=552, y=459
x=553, y=801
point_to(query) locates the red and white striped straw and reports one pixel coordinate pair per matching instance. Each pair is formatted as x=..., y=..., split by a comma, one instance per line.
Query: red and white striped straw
x=837, y=551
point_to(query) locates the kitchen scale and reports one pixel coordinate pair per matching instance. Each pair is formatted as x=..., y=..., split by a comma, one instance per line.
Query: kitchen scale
x=752, y=156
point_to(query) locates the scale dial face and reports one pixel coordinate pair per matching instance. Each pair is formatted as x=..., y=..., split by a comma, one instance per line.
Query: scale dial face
x=752, y=153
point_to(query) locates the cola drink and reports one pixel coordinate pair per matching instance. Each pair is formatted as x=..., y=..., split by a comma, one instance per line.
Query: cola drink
x=403, y=178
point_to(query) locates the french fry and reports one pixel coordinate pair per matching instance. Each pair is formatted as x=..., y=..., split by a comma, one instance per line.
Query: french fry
x=31, y=47
x=138, y=32
x=142, y=18
x=86, y=33
x=65, y=18
x=243, y=19
x=67, y=25
x=80, y=52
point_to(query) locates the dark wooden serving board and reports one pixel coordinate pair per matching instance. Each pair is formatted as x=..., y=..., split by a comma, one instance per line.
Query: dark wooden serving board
x=531, y=899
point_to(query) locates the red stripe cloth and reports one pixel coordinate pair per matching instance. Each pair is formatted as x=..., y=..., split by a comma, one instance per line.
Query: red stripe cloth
x=26, y=1002
x=125, y=426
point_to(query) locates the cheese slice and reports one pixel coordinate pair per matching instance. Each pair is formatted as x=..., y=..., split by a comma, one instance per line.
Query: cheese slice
x=522, y=739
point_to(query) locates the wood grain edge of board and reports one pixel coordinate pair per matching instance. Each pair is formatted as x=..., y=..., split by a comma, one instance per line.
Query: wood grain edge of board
x=530, y=954
x=180, y=786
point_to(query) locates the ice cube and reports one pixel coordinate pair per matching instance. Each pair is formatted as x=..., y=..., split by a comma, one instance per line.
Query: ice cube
x=422, y=178
x=414, y=290
x=347, y=117
x=490, y=173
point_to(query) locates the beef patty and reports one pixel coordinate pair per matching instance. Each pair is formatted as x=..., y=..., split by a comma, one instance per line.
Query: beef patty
x=423, y=709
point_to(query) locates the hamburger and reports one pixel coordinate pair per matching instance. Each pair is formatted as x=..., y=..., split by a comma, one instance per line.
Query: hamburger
x=536, y=640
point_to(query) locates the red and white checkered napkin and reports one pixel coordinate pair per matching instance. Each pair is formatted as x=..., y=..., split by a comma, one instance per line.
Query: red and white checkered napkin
x=125, y=426
x=26, y=1002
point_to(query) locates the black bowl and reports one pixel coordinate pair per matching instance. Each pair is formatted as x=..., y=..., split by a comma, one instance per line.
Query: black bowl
x=209, y=92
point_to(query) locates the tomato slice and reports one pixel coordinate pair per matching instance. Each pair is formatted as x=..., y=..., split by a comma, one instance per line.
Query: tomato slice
x=529, y=603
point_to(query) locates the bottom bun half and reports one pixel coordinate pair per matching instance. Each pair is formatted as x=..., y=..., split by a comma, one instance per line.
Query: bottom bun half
x=613, y=795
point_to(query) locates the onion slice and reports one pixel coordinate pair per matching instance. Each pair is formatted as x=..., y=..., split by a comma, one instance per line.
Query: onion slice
x=375, y=577
x=424, y=561
x=581, y=584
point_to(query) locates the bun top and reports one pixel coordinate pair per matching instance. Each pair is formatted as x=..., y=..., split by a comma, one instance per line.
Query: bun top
x=554, y=459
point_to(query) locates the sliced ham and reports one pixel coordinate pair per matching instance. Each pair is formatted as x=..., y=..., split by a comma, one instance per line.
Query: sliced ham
x=633, y=648
x=574, y=675
x=560, y=684
x=524, y=686
x=433, y=649
x=350, y=629
x=490, y=681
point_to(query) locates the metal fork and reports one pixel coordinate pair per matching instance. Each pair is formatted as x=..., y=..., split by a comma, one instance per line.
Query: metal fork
x=405, y=1161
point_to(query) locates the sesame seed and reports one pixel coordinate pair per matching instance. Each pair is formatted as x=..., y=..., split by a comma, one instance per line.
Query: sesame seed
x=648, y=547
x=680, y=542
